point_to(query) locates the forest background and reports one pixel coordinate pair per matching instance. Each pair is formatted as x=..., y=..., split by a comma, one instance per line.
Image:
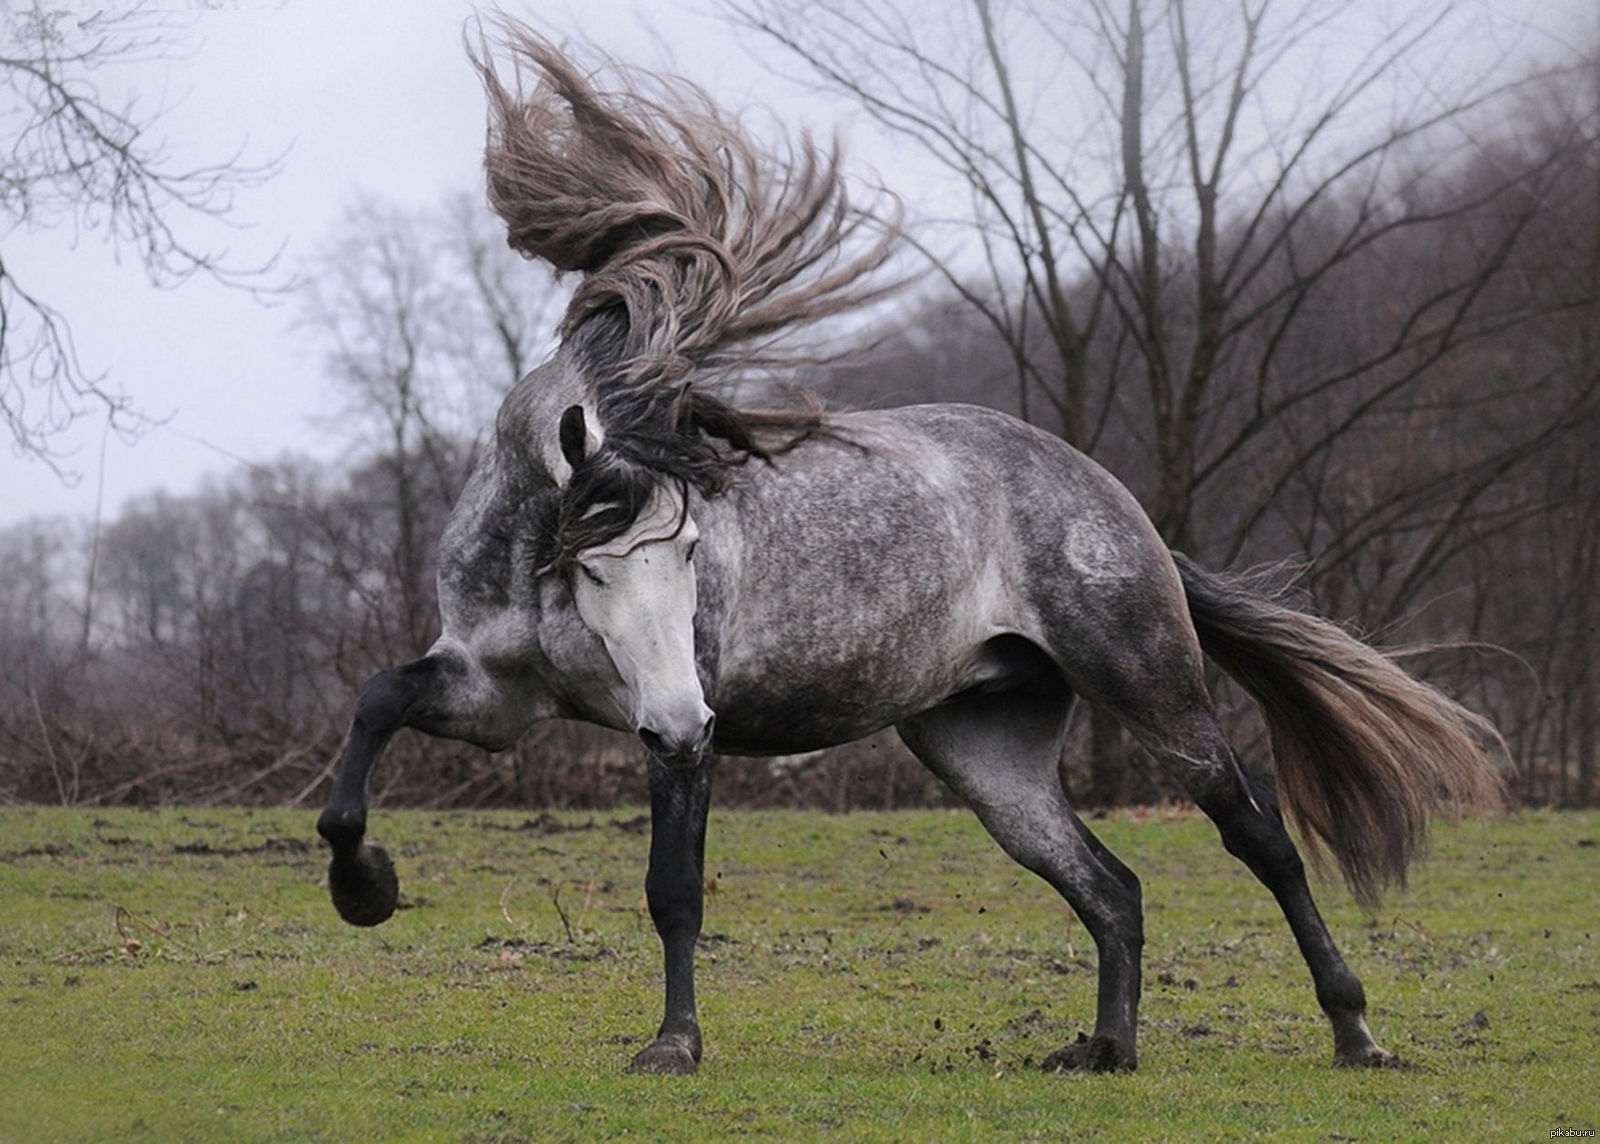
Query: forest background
x=1325, y=301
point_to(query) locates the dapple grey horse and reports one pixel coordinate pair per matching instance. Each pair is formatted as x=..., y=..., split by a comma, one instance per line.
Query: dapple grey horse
x=634, y=550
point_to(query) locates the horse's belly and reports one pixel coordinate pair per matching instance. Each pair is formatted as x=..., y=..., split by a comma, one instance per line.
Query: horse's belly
x=805, y=697
x=760, y=720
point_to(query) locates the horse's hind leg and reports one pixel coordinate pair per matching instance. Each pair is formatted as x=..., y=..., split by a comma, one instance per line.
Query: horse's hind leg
x=1245, y=811
x=1000, y=753
x=1136, y=655
x=1191, y=746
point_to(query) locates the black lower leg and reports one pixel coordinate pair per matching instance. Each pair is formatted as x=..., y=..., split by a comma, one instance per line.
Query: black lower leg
x=1111, y=907
x=680, y=799
x=1256, y=836
x=361, y=878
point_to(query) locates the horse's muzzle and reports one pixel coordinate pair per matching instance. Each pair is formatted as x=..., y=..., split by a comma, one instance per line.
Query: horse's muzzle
x=680, y=752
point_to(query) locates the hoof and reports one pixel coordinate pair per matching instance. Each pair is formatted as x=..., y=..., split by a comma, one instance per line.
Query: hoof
x=665, y=1056
x=1090, y=1054
x=1368, y=1057
x=364, y=888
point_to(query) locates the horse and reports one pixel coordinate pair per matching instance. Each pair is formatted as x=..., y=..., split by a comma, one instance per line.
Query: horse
x=638, y=549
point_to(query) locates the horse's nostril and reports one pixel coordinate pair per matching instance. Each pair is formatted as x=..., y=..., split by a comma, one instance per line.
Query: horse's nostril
x=653, y=743
x=707, y=731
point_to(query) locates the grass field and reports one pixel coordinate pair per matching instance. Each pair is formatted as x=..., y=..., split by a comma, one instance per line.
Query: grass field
x=180, y=975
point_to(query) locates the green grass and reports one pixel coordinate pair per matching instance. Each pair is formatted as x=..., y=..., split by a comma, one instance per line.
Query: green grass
x=180, y=975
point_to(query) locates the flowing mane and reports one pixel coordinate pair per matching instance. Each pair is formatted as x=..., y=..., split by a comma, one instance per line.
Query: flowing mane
x=699, y=250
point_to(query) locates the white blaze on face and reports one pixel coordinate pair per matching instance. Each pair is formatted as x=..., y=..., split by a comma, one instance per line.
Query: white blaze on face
x=637, y=593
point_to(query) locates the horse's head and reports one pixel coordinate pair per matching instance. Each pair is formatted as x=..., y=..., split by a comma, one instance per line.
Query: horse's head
x=630, y=542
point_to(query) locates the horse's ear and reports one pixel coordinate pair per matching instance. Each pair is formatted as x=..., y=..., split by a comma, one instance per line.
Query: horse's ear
x=574, y=435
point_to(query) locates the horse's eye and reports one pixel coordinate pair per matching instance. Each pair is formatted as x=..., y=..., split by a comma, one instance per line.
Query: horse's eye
x=594, y=577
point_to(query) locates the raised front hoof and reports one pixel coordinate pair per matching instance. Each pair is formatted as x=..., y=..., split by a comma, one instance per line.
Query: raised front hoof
x=364, y=887
x=1090, y=1054
x=1367, y=1057
x=665, y=1056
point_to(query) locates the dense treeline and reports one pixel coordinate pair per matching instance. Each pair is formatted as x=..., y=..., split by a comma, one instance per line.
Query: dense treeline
x=1387, y=381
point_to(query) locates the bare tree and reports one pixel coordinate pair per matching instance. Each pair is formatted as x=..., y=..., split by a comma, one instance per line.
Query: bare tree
x=1186, y=223
x=427, y=319
x=1151, y=187
x=74, y=157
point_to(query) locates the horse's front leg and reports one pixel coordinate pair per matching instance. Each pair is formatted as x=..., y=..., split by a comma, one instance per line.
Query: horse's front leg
x=361, y=878
x=675, y=888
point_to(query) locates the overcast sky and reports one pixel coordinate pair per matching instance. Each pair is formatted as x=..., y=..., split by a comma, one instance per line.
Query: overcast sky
x=372, y=97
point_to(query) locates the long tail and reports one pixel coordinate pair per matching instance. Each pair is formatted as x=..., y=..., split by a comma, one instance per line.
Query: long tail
x=1363, y=750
